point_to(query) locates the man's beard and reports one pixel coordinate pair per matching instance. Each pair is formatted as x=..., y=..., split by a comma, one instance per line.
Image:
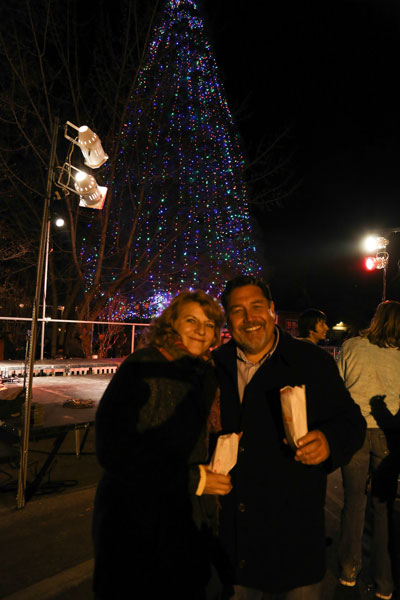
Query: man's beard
x=259, y=341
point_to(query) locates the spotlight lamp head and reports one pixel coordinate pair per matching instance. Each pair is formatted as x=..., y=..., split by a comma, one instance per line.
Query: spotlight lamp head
x=380, y=261
x=91, y=147
x=89, y=144
x=372, y=243
x=90, y=194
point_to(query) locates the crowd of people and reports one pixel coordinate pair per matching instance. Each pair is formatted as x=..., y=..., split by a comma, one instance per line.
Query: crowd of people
x=167, y=523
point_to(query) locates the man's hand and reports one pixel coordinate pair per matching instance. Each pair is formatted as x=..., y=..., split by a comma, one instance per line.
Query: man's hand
x=217, y=484
x=313, y=448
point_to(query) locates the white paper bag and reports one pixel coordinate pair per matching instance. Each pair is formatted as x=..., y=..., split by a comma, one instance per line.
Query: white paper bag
x=225, y=453
x=294, y=413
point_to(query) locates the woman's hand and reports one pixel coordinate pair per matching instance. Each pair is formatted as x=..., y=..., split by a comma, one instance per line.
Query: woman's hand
x=216, y=483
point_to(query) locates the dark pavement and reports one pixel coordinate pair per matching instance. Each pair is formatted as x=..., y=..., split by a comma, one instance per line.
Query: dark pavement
x=47, y=549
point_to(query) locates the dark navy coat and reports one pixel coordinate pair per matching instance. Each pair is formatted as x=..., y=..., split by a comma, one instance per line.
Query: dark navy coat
x=272, y=523
x=152, y=534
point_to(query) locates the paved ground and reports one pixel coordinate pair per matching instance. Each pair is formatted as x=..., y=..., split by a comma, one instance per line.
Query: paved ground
x=47, y=549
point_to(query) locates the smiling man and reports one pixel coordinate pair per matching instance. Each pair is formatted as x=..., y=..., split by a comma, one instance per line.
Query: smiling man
x=272, y=523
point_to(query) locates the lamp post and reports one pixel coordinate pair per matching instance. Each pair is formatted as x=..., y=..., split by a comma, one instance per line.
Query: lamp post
x=23, y=465
x=378, y=244
x=94, y=198
x=46, y=268
x=59, y=223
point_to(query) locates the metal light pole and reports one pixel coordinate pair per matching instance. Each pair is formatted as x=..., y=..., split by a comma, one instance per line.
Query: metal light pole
x=46, y=268
x=22, y=474
x=378, y=244
x=91, y=196
x=384, y=283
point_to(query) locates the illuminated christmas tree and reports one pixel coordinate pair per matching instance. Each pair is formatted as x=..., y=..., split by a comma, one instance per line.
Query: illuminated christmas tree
x=179, y=175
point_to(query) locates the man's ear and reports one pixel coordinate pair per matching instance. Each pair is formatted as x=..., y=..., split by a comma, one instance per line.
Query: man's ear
x=271, y=309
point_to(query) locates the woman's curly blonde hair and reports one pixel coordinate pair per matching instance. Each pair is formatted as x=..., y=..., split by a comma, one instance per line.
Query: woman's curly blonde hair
x=161, y=332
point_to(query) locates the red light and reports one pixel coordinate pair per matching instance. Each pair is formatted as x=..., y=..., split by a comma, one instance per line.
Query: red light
x=370, y=263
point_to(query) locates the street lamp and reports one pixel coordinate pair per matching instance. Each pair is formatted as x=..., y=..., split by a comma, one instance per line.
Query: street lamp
x=59, y=222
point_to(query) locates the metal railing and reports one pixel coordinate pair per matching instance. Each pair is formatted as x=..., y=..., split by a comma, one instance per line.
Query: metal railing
x=49, y=320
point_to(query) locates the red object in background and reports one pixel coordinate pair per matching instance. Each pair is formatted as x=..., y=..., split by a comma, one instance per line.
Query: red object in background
x=370, y=263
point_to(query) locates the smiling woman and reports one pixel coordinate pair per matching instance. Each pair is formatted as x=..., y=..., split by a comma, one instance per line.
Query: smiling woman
x=190, y=317
x=157, y=496
x=196, y=330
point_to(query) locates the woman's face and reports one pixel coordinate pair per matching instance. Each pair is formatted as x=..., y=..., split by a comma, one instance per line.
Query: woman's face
x=197, y=331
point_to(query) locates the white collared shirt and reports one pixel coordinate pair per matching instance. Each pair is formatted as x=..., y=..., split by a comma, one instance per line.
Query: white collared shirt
x=247, y=369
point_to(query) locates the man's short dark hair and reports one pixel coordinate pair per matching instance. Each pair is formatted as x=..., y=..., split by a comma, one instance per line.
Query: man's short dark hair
x=241, y=281
x=308, y=320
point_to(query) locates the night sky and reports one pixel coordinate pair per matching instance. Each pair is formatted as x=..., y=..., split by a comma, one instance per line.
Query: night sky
x=329, y=71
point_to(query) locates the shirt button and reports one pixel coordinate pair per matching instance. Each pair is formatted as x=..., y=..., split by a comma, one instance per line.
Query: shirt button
x=242, y=507
x=242, y=563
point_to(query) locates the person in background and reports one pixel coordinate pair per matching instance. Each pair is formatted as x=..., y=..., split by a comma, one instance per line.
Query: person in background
x=155, y=516
x=312, y=326
x=272, y=522
x=370, y=367
x=9, y=346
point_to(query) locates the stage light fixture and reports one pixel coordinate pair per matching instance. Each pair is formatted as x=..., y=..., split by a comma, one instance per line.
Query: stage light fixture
x=89, y=143
x=90, y=194
x=372, y=243
x=91, y=147
x=380, y=261
x=370, y=263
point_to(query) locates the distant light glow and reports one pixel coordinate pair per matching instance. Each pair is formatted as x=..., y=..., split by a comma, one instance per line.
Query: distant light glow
x=370, y=263
x=374, y=242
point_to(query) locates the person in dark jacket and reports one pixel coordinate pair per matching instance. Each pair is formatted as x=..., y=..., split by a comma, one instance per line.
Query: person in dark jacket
x=312, y=326
x=272, y=523
x=155, y=515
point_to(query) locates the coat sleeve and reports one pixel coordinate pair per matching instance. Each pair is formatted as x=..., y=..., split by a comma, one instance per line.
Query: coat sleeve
x=333, y=411
x=154, y=457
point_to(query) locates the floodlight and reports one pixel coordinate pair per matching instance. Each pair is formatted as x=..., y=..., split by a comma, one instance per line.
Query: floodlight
x=89, y=143
x=90, y=194
x=370, y=263
x=91, y=147
x=60, y=222
x=380, y=261
x=375, y=242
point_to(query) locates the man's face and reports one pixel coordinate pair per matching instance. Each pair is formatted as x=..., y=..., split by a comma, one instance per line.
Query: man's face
x=251, y=321
x=319, y=332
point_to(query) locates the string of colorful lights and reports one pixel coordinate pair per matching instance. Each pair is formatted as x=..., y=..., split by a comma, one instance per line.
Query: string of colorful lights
x=179, y=187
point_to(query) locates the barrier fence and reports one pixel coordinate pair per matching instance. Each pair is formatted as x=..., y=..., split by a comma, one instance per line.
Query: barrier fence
x=126, y=346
